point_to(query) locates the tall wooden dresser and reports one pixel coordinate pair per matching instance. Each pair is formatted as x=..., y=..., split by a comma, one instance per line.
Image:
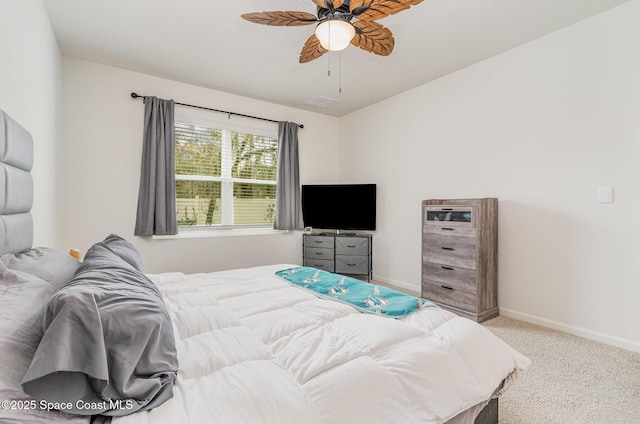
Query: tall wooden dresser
x=460, y=255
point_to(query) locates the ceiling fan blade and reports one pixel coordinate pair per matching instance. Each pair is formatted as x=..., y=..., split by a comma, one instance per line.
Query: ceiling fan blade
x=373, y=37
x=311, y=50
x=329, y=4
x=369, y=10
x=286, y=18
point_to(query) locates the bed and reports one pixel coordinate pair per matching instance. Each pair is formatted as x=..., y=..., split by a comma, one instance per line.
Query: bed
x=102, y=340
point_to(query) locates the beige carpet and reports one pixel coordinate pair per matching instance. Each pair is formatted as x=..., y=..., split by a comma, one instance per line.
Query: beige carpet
x=571, y=381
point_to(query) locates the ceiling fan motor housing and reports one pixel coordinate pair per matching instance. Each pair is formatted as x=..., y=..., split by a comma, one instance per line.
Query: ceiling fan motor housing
x=342, y=13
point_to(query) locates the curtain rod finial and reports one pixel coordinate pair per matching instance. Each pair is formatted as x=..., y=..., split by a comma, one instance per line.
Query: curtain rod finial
x=134, y=95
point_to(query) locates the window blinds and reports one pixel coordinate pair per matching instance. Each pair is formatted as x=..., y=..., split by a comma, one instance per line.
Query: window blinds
x=224, y=177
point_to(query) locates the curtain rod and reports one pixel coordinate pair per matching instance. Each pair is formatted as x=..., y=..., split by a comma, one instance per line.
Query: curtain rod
x=136, y=96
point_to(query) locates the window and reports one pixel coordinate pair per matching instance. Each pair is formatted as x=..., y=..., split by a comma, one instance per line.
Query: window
x=225, y=177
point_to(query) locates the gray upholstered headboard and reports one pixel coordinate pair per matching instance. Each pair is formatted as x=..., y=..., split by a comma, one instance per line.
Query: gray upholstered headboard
x=16, y=186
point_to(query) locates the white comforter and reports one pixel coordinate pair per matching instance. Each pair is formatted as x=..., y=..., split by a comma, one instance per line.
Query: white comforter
x=254, y=349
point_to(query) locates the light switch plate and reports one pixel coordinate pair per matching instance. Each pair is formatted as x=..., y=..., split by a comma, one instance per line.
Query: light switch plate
x=605, y=195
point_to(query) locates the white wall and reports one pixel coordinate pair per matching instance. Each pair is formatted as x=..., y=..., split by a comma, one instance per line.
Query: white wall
x=30, y=77
x=101, y=149
x=541, y=127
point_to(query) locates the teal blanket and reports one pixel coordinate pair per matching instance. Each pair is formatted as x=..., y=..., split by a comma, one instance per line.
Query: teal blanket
x=364, y=296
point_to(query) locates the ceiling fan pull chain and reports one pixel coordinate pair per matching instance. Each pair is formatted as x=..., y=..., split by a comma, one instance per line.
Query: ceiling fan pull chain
x=339, y=72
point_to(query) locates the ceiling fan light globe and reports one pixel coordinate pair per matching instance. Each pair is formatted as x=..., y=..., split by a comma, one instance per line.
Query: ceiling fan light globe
x=335, y=34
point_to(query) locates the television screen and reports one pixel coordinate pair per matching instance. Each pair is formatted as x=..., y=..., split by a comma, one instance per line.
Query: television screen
x=339, y=206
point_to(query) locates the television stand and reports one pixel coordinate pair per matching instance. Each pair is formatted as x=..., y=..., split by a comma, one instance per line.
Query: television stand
x=349, y=254
x=338, y=233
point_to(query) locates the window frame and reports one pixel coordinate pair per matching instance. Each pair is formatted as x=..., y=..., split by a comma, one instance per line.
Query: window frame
x=242, y=125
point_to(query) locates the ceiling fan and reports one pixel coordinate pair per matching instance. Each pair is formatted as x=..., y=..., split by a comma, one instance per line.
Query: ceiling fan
x=335, y=30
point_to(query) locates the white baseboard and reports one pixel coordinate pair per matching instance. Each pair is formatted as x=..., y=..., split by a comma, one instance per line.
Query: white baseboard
x=576, y=331
x=396, y=283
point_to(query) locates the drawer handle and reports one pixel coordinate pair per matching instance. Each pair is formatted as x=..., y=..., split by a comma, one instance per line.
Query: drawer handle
x=447, y=229
x=319, y=253
x=351, y=264
x=447, y=287
x=448, y=268
x=446, y=209
x=446, y=248
x=319, y=241
x=351, y=246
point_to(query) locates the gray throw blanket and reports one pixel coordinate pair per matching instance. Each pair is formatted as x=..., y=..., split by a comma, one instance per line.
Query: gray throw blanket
x=108, y=346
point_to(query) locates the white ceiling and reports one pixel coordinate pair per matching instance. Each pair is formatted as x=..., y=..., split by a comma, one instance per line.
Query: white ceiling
x=206, y=43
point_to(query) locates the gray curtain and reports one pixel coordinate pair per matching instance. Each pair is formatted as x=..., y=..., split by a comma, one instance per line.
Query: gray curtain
x=288, y=197
x=157, y=195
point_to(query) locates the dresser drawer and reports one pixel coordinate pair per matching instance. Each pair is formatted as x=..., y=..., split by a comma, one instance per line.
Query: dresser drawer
x=319, y=241
x=448, y=295
x=458, y=251
x=445, y=255
x=358, y=246
x=449, y=230
x=454, y=216
x=318, y=253
x=352, y=264
x=450, y=276
x=450, y=240
x=322, y=264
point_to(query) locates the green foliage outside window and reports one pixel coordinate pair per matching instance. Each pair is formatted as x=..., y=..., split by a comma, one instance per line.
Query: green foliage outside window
x=199, y=153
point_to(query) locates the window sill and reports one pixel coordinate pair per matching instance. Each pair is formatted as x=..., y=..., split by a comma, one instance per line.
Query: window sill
x=220, y=232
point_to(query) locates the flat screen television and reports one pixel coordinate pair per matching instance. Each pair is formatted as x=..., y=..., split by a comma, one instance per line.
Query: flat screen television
x=339, y=206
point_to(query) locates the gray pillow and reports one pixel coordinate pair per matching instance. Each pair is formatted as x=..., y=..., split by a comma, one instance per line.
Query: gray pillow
x=23, y=297
x=50, y=265
x=22, y=300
